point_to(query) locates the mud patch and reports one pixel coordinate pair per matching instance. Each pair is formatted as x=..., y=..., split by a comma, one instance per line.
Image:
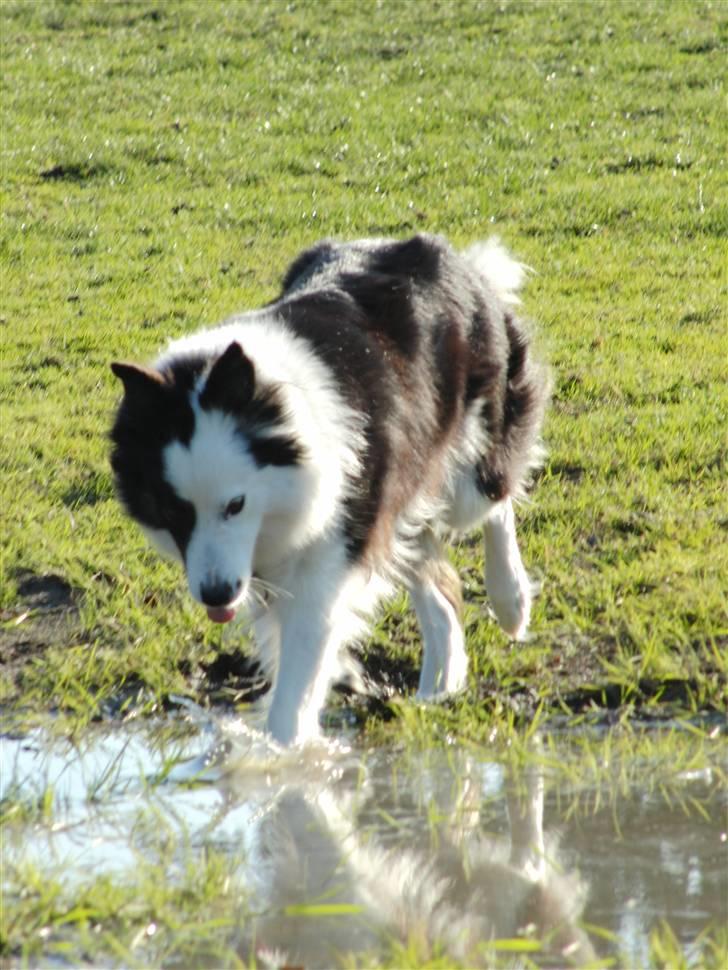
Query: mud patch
x=76, y=172
x=48, y=592
x=45, y=615
x=234, y=678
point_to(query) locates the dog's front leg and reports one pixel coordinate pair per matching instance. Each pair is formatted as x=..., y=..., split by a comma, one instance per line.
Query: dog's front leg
x=308, y=651
x=315, y=623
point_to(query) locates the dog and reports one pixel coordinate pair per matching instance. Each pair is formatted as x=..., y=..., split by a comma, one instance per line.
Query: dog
x=303, y=459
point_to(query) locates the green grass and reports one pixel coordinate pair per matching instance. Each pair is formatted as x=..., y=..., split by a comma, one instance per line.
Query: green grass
x=161, y=164
x=135, y=919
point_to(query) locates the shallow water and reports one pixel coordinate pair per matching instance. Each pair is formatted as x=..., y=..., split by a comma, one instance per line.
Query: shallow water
x=574, y=853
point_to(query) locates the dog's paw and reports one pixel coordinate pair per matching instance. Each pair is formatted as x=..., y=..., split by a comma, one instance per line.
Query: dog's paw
x=438, y=682
x=511, y=605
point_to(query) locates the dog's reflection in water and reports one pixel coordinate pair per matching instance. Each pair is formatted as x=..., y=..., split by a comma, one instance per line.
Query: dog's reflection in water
x=333, y=879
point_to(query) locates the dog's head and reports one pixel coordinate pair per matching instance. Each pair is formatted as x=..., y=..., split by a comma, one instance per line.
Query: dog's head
x=195, y=443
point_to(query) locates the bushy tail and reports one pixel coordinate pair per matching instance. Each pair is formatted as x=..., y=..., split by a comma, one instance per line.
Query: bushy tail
x=515, y=440
x=505, y=274
x=527, y=394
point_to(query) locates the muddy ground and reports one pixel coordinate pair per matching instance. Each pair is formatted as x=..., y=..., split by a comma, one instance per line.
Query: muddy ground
x=47, y=616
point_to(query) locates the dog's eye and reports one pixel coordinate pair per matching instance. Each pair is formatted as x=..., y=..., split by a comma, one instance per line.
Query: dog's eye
x=234, y=507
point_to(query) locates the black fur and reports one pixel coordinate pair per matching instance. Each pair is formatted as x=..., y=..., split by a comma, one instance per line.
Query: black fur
x=155, y=410
x=231, y=387
x=396, y=321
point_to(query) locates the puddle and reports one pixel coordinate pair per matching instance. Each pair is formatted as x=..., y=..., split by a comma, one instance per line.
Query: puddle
x=572, y=856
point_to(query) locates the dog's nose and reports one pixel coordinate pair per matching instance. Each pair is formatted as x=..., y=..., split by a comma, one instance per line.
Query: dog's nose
x=219, y=593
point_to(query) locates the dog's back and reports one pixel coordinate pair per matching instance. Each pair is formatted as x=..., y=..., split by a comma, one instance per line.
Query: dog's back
x=425, y=346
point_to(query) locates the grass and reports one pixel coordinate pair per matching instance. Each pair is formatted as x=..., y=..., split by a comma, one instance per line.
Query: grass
x=162, y=163
x=135, y=919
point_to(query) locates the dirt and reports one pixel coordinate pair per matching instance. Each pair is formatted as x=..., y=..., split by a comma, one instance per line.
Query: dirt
x=47, y=615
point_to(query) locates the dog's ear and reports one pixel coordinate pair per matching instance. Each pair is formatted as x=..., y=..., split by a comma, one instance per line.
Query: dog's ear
x=138, y=381
x=230, y=383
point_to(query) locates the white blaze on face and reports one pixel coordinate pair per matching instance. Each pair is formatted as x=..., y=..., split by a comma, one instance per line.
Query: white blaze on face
x=211, y=473
x=317, y=415
x=287, y=507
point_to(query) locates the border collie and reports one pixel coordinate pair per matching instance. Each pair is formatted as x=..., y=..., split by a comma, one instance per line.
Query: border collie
x=302, y=459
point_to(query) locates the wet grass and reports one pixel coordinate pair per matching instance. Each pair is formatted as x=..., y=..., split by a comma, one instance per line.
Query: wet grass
x=185, y=897
x=186, y=919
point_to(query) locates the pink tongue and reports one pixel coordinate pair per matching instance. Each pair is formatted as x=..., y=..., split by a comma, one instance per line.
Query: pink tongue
x=220, y=614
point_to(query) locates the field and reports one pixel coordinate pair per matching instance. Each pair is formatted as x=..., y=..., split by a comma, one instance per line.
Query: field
x=161, y=165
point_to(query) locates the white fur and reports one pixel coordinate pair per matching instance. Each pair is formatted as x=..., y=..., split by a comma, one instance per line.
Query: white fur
x=445, y=662
x=327, y=611
x=288, y=531
x=505, y=274
x=466, y=506
x=508, y=586
x=286, y=509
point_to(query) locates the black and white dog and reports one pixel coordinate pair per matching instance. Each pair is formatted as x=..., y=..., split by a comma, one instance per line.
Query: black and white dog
x=301, y=459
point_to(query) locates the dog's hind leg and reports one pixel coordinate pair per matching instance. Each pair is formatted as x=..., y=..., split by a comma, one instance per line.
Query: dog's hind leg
x=506, y=582
x=437, y=598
